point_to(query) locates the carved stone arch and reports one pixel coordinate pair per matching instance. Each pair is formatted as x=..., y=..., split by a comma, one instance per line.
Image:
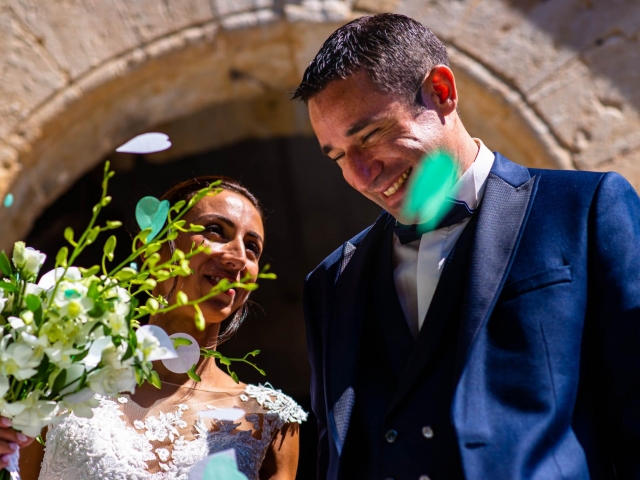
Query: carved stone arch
x=63, y=110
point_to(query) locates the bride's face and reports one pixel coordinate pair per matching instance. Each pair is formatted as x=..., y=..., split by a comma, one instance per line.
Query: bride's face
x=234, y=234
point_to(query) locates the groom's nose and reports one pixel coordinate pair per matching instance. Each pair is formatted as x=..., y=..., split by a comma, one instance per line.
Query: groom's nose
x=360, y=169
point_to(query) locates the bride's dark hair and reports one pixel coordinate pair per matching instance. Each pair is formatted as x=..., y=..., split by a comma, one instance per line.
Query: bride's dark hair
x=185, y=191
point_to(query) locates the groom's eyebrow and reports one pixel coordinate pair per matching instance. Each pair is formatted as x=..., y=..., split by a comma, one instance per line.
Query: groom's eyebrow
x=355, y=128
x=359, y=125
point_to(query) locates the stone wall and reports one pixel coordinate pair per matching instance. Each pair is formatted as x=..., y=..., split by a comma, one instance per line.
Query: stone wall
x=547, y=83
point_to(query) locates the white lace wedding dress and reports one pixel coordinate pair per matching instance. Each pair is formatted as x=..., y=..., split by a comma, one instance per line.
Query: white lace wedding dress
x=127, y=441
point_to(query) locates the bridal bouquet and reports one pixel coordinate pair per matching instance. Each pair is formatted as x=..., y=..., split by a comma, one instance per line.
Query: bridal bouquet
x=75, y=332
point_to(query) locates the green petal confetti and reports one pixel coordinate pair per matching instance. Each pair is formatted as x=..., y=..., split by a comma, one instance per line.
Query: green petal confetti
x=222, y=467
x=429, y=185
x=151, y=213
x=8, y=200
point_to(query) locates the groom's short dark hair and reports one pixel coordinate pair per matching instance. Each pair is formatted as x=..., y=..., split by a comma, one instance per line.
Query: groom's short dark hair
x=395, y=51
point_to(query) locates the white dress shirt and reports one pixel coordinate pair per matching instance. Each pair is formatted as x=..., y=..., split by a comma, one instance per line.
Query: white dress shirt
x=417, y=265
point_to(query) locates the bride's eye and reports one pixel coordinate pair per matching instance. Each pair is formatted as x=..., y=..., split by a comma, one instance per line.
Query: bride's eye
x=254, y=248
x=215, y=229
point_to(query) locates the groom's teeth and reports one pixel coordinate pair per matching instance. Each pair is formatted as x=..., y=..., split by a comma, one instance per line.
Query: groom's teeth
x=397, y=184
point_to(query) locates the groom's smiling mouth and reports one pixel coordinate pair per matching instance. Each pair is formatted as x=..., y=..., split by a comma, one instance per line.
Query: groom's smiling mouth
x=397, y=184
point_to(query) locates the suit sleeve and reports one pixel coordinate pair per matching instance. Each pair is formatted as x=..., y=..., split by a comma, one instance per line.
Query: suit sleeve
x=616, y=262
x=313, y=315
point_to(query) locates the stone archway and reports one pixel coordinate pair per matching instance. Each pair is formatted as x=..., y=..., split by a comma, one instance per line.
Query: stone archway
x=79, y=81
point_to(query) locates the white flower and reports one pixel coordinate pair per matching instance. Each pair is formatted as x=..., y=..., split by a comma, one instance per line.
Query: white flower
x=35, y=414
x=81, y=403
x=15, y=322
x=154, y=344
x=49, y=279
x=32, y=289
x=18, y=359
x=60, y=353
x=109, y=381
x=28, y=259
x=71, y=300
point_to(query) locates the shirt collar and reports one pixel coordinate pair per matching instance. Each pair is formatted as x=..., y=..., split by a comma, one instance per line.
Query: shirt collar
x=471, y=185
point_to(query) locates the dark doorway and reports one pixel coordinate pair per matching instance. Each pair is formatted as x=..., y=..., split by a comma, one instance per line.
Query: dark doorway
x=310, y=212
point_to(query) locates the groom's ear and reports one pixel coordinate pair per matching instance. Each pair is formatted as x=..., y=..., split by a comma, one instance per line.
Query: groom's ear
x=439, y=91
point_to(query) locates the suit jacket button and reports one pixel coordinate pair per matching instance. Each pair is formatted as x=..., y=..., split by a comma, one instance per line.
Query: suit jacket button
x=427, y=432
x=424, y=477
x=391, y=436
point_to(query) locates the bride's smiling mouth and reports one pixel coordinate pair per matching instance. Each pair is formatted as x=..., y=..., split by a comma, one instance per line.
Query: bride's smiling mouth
x=214, y=280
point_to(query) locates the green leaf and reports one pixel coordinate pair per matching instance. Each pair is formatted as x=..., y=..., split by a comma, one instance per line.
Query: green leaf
x=109, y=247
x=5, y=264
x=44, y=366
x=33, y=302
x=93, y=234
x=178, y=205
x=161, y=275
x=152, y=248
x=180, y=342
x=105, y=201
x=196, y=228
x=154, y=379
x=98, y=310
x=40, y=440
x=224, y=361
x=193, y=375
x=262, y=372
x=234, y=377
x=148, y=284
x=9, y=287
x=143, y=235
x=87, y=272
x=59, y=382
x=80, y=356
x=61, y=257
x=68, y=236
x=254, y=353
x=172, y=235
x=128, y=354
x=125, y=274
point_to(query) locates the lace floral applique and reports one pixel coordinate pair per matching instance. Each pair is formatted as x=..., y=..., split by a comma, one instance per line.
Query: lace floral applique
x=163, y=426
x=276, y=402
x=105, y=447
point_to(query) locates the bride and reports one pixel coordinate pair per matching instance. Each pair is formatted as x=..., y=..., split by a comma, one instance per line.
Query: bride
x=158, y=434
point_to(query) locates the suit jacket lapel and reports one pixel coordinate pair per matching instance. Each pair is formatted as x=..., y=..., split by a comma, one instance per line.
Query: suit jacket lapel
x=502, y=216
x=344, y=330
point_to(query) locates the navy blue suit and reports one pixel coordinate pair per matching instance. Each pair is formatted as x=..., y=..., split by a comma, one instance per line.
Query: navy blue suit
x=547, y=355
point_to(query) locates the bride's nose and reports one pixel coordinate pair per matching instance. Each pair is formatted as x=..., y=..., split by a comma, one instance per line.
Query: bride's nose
x=234, y=254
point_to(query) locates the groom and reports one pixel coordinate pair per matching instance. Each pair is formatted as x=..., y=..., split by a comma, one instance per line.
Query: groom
x=502, y=345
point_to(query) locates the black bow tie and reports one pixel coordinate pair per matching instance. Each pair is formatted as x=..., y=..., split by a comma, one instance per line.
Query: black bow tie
x=458, y=212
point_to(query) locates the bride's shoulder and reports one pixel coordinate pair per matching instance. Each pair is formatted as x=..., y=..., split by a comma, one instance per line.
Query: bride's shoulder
x=274, y=401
